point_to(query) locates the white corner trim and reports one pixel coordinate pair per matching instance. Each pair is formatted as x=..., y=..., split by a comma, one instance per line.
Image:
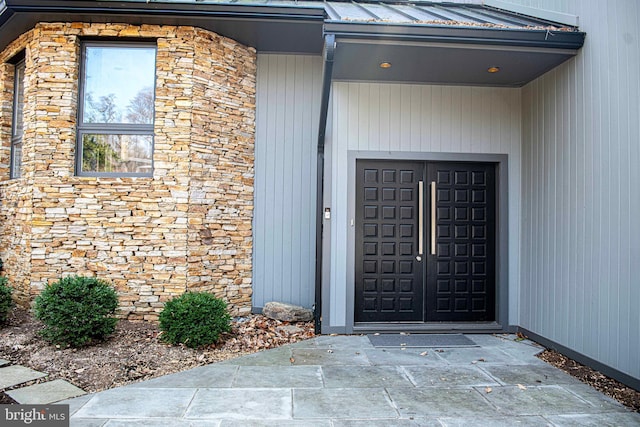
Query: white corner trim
x=549, y=15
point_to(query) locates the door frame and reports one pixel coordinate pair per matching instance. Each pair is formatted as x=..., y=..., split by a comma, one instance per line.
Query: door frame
x=501, y=241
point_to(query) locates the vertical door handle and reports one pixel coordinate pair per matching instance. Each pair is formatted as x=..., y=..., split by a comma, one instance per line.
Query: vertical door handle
x=420, y=219
x=433, y=217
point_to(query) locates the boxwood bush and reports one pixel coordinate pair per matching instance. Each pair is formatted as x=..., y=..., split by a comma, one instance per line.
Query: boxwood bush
x=194, y=319
x=5, y=300
x=77, y=311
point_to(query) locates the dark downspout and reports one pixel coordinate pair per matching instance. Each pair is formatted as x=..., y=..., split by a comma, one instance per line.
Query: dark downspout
x=328, y=51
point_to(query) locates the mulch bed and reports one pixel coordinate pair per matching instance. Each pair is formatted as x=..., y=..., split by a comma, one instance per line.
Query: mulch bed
x=612, y=388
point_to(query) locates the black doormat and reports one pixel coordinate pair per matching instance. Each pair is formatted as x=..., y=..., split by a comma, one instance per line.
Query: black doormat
x=420, y=340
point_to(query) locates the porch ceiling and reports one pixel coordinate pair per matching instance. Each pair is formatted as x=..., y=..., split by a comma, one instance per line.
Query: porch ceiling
x=443, y=63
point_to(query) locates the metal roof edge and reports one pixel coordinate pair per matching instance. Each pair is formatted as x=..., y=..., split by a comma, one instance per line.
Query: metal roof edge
x=230, y=9
x=5, y=12
x=572, y=40
x=549, y=15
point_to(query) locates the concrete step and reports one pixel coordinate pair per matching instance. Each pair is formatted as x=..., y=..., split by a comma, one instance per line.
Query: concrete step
x=43, y=393
x=4, y=362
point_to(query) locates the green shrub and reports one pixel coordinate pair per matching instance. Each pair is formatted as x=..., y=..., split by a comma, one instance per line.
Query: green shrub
x=194, y=319
x=5, y=300
x=77, y=310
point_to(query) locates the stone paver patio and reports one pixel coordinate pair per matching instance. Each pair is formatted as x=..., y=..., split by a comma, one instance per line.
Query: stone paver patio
x=344, y=381
x=42, y=393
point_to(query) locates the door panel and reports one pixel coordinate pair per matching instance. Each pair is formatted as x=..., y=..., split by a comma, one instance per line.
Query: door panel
x=461, y=274
x=389, y=279
x=453, y=279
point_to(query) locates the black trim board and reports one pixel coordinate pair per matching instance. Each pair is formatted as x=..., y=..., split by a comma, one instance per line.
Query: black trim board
x=625, y=379
x=152, y=8
x=327, y=71
x=267, y=28
x=571, y=40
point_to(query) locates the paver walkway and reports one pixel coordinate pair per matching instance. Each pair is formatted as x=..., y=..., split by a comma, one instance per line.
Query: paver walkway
x=42, y=393
x=344, y=381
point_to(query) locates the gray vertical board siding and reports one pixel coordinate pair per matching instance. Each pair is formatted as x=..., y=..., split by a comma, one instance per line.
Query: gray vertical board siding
x=287, y=104
x=414, y=119
x=580, y=196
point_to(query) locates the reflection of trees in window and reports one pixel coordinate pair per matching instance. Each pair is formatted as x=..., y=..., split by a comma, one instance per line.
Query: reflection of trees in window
x=140, y=109
x=117, y=153
x=97, y=154
x=105, y=109
x=102, y=111
x=116, y=126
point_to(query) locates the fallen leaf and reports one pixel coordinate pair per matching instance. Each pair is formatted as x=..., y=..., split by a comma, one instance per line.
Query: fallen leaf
x=481, y=360
x=488, y=390
x=292, y=360
x=521, y=387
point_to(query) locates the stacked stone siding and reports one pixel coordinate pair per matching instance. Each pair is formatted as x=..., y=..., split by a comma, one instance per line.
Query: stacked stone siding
x=186, y=228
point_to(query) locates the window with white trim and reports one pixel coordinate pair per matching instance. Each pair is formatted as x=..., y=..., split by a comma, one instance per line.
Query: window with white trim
x=116, y=111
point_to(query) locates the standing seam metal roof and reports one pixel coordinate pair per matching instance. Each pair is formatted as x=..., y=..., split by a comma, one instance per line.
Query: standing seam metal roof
x=431, y=13
x=423, y=12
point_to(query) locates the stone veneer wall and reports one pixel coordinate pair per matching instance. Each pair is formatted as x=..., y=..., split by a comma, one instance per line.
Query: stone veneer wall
x=186, y=228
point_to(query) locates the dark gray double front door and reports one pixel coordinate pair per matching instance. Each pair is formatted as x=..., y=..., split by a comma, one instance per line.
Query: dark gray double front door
x=425, y=241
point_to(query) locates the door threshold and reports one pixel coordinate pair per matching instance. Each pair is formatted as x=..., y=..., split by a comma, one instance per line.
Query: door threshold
x=427, y=328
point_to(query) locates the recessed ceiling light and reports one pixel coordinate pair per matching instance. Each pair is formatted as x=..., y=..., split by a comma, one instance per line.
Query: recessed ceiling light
x=493, y=69
x=385, y=65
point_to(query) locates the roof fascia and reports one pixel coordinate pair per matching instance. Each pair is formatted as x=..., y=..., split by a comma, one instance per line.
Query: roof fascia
x=572, y=40
x=225, y=10
x=5, y=12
